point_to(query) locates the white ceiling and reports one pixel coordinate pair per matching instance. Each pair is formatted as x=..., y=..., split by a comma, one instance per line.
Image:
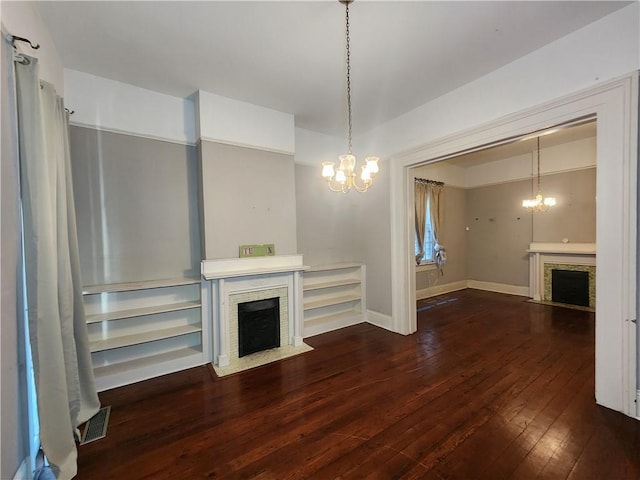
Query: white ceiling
x=289, y=56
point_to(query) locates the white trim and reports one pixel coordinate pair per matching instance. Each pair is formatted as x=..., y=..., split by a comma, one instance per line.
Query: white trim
x=132, y=134
x=379, y=319
x=571, y=248
x=245, y=145
x=615, y=105
x=241, y=267
x=23, y=470
x=425, y=267
x=499, y=287
x=441, y=289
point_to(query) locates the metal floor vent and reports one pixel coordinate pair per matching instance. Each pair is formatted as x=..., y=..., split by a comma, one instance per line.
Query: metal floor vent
x=96, y=427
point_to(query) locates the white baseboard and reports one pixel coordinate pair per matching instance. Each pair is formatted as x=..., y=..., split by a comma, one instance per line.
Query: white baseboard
x=499, y=287
x=379, y=319
x=23, y=470
x=440, y=289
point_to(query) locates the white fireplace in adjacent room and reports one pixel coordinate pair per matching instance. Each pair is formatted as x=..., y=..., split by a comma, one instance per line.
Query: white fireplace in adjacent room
x=235, y=281
x=544, y=258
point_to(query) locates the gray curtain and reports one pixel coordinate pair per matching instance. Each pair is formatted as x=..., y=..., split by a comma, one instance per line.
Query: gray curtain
x=63, y=375
x=435, y=195
x=435, y=207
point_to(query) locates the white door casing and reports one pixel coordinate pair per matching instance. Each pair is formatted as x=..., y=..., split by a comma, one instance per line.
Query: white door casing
x=614, y=105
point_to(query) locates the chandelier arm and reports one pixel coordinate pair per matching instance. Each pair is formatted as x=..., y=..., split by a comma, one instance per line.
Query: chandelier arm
x=361, y=188
x=340, y=188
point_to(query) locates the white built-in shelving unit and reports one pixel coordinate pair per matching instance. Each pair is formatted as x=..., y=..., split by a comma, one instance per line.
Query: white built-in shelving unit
x=141, y=330
x=333, y=297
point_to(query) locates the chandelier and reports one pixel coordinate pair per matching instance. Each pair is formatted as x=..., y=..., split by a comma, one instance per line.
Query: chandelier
x=539, y=203
x=344, y=178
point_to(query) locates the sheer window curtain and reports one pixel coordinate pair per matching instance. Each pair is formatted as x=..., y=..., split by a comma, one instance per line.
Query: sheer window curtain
x=63, y=374
x=428, y=194
x=420, y=200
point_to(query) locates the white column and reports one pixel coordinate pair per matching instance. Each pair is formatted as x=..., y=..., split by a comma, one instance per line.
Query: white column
x=298, y=311
x=223, y=331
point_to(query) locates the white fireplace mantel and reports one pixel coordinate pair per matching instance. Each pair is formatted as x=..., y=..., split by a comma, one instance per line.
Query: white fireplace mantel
x=567, y=253
x=241, y=267
x=232, y=276
x=563, y=248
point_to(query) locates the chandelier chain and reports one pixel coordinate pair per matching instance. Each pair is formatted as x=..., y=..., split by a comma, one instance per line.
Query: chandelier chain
x=348, y=52
x=538, y=164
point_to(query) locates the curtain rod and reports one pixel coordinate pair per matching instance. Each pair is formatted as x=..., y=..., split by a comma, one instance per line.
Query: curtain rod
x=15, y=38
x=429, y=182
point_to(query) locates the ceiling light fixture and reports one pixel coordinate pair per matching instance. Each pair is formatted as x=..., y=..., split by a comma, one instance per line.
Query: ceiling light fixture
x=539, y=203
x=344, y=178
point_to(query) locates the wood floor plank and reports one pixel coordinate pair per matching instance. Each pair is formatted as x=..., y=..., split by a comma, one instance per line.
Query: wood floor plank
x=490, y=386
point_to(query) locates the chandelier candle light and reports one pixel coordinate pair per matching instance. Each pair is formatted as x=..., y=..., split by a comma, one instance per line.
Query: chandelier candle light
x=344, y=178
x=539, y=203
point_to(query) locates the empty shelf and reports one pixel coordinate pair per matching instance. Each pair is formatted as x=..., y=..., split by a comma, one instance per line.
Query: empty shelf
x=139, y=312
x=331, y=301
x=138, y=338
x=333, y=283
x=130, y=286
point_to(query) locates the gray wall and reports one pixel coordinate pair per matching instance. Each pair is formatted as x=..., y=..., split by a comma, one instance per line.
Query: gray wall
x=499, y=233
x=335, y=227
x=374, y=233
x=574, y=217
x=326, y=221
x=136, y=205
x=501, y=229
x=248, y=197
x=453, y=238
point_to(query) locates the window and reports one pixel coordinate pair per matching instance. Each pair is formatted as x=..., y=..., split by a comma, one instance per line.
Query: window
x=428, y=238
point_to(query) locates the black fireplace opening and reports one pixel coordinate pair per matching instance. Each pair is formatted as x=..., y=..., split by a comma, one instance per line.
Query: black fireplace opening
x=258, y=326
x=569, y=286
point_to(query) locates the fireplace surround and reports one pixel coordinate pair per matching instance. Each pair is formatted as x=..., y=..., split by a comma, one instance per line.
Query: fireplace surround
x=546, y=257
x=235, y=281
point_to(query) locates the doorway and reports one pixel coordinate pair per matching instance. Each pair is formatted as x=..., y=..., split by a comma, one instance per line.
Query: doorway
x=614, y=105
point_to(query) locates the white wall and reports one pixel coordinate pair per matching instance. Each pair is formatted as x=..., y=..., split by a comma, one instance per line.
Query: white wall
x=20, y=19
x=122, y=108
x=313, y=148
x=224, y=120
x=23, y=20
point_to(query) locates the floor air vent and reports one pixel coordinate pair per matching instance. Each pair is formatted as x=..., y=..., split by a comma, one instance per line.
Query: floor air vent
x=96, y=427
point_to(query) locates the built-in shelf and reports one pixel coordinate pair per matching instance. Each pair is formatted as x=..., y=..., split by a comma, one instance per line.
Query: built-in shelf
x=143, y=285
x=333, y=297
x=140, y=330
x=333, y=317
x=331, y=301
x=333, y=283
x=139, y=312
x=149, y=361
x=138, y=338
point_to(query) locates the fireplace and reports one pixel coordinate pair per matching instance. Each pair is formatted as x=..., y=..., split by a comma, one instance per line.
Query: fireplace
x=576, y=259
x=258, y=326
x=236, y=281
x=570, y=286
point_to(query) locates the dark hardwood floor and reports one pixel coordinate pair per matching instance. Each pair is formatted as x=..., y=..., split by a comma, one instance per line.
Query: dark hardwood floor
x=490, y=387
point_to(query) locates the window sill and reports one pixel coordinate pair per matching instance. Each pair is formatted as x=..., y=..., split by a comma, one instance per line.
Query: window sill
x=424, y=267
